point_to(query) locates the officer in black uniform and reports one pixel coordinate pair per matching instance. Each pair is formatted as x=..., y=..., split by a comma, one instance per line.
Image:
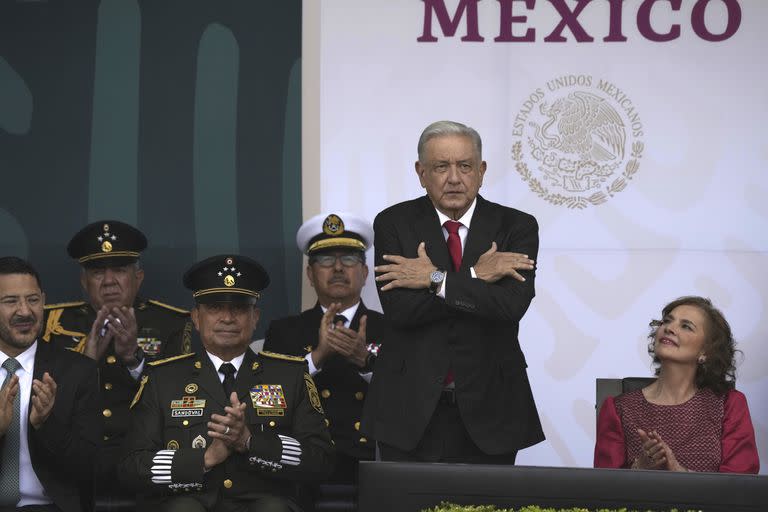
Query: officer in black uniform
x=226, y=429
x=115, y=327
x=339, y=336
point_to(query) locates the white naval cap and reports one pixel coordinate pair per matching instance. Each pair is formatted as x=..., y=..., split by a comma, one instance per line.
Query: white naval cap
x=332, y=230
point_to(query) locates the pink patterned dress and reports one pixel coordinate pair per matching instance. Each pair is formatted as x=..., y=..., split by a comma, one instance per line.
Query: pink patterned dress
x=709, y=432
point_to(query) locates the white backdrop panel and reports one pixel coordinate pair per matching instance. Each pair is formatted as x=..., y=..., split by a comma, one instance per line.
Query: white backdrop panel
x=689, y=220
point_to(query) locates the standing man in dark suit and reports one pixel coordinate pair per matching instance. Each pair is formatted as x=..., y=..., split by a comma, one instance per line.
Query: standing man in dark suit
x=458, y=276
x=226, y=430
x=339, y=337
x=49, y=426
x=116, y=328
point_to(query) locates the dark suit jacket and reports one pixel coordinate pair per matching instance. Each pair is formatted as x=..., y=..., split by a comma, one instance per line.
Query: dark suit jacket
x=473, y=331
x=62, y=450
x=289, y=442
x=341, y=387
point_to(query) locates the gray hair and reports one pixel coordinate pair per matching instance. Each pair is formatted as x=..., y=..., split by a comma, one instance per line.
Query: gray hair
x=442, y=128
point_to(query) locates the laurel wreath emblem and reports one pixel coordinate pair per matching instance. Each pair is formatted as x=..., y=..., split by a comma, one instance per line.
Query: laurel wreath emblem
x=579, y=202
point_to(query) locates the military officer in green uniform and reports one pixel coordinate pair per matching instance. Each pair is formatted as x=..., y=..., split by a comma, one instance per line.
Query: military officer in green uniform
x=115, y=327
x=226, y=429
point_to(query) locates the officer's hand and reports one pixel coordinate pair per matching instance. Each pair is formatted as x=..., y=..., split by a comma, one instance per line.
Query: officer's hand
x=124, y=330
x=402, y=272
x=43, y=398
x=324, y=347
x=98, y=339
x=231, y=429
x=350, y=343
x=493, y=265
x=216, y=453
x=7, y=397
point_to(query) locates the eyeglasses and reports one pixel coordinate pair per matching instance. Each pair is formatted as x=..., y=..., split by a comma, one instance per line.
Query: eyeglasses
x=329, y=260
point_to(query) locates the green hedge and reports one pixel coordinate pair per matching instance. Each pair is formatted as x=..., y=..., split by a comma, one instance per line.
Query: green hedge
x=451, y=507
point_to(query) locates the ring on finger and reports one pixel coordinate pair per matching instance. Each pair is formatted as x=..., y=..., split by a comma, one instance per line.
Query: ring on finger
x=226, y=432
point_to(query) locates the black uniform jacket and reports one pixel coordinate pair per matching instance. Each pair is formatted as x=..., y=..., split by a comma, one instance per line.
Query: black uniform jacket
x=165, y=447
x=62, y=449
x=473, y=331
x=163, y=331
x=342, y=389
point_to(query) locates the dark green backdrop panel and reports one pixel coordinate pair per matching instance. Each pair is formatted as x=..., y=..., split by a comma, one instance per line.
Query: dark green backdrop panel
x=181, y=117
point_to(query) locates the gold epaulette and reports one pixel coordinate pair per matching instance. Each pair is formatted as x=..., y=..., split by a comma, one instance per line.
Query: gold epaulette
x=168, y=306
x=62, y=305
x=137, y=397
x=284, y=357
x=169, y=359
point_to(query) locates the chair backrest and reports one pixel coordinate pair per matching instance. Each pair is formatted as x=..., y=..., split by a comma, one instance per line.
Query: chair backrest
x=613, y=387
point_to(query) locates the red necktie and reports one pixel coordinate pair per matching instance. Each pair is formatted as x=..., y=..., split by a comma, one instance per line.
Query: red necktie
x=454, y=248
x=454, y=242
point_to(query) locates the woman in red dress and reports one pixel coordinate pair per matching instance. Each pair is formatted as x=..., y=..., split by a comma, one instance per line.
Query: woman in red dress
x=690, y=418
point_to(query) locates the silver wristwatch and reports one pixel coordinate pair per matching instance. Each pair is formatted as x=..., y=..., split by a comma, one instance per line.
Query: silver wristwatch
x=436, y=279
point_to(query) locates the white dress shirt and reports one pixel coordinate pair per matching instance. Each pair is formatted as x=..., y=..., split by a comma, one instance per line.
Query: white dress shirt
x=31, y=490
x=465, y=220
x=217, y=362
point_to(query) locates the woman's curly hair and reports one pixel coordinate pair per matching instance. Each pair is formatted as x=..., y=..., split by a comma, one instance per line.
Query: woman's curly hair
x=718, y=372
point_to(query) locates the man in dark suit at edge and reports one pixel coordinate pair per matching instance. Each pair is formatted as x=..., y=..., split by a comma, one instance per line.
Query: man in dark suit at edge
x=49, y=423
x=458, y=276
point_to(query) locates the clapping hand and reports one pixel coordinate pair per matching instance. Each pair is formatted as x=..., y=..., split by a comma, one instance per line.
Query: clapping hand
x=7, y=397
x=43, y=398
x=656, y=454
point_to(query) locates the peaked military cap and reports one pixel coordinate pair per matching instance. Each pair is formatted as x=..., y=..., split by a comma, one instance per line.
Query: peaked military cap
x=226, y=278
x=334, y=231
x=107, y=243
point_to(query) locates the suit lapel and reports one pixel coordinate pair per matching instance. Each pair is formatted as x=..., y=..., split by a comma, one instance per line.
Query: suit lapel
x=429, y=230
x=309, y=326
x=481, y=233
x=44, y=362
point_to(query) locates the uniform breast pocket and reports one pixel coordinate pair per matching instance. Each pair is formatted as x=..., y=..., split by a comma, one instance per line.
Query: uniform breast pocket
x=186, y=431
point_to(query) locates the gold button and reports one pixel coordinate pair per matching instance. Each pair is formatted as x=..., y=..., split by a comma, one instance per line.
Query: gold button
x=108, y=386
x=327, y=422
x=228, y=483
x=363, y=440
x=325, y=393
x=357, y=425
x=111, y=360
x=272, y=423
x=359, y=395
x=107, y=413
x=185, y=422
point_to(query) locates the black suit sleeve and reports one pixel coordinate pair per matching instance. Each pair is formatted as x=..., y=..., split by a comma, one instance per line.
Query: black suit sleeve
x=404, y=307
x=508, y=299
x=70, y=436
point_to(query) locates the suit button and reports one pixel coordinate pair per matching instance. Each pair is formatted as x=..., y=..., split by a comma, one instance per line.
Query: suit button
x=325, y=393
x=107, y=413
x=363, y=440
x=108, y=386
x=185, y=422
x=359, y=395
x=357, y=425
x=111, y=360
x=228, y=483
x=272, y=423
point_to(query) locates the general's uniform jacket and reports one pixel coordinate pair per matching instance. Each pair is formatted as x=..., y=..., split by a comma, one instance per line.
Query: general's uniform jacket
x=163, y=331
x=342, y=389
x=165, y=447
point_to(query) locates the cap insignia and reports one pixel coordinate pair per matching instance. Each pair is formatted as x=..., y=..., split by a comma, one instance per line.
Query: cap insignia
x=106, y=245
x=333, y=225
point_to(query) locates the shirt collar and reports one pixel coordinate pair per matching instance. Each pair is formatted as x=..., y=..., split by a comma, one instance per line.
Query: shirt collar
x=217, y=361
x=465, y=219
x=26, y=359
x=350, y=312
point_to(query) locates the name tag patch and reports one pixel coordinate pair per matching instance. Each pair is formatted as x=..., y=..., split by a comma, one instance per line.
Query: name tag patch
x=268, y=400
x=188, y=406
